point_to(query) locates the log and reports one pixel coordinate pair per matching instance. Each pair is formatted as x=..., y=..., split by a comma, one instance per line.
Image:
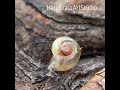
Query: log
x=35, y=30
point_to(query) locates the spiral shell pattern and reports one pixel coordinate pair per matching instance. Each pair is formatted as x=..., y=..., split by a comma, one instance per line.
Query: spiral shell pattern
x=66, y=53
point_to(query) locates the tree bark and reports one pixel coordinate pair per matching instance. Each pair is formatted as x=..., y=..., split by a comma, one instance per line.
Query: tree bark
x=35, y=30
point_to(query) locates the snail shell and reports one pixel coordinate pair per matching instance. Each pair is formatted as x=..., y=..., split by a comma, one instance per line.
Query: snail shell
x=66, y=54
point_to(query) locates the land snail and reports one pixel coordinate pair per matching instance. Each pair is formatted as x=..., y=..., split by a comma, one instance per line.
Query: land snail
x=66, y=54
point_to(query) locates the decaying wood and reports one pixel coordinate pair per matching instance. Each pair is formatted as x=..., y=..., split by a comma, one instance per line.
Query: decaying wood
x=97, y=82
x=35, y=30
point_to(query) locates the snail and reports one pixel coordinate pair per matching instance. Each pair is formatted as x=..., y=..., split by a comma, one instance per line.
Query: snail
x=66, y=54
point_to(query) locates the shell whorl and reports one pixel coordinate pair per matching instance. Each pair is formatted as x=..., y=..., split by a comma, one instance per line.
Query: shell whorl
x=64, y=46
